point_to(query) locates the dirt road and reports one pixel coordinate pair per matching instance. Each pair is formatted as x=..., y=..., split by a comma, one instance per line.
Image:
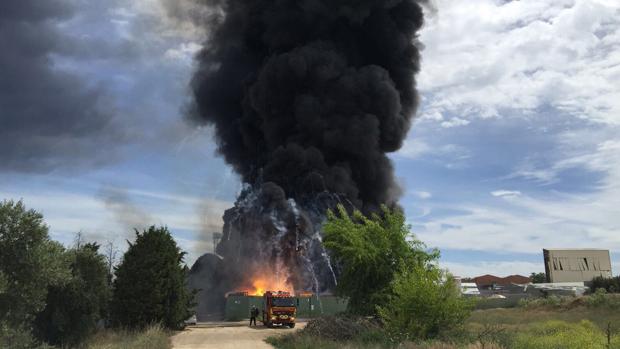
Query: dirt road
x=234, y=337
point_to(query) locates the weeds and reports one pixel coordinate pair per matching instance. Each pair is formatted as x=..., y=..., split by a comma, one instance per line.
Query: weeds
x=154, y=337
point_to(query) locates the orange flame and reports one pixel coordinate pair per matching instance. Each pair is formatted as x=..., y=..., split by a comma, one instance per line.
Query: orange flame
x=264, y=283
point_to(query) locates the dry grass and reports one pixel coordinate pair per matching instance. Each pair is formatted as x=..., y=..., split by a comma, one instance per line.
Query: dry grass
x=153, y=337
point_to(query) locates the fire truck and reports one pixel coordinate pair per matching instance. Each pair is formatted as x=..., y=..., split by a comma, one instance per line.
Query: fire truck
x=279, y=309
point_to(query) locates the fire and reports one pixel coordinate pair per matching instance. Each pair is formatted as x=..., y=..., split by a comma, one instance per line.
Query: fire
x=264, y=283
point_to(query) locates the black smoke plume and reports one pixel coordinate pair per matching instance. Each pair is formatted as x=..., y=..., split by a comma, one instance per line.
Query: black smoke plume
x=312, y=94
x=307, y=97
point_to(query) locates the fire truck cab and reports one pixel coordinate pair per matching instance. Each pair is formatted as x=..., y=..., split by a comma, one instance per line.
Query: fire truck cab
x=279, y=309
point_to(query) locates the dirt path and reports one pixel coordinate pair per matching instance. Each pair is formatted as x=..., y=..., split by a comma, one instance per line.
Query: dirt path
x=233, y=337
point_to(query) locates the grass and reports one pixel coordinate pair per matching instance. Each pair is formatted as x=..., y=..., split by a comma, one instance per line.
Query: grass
x=153, y=337
x=568, y=323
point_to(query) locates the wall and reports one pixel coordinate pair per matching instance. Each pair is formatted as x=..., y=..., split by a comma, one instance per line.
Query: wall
x=576, y=265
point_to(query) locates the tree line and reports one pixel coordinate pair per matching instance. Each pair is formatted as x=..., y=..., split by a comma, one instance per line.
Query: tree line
x=51, y=295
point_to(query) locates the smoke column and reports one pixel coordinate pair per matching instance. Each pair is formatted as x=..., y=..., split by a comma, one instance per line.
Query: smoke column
x=307, y=97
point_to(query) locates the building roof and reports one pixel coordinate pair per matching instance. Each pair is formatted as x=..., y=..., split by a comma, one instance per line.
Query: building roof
x=504, y=281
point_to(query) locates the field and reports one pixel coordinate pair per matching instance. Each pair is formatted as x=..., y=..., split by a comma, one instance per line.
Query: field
x=573, y=323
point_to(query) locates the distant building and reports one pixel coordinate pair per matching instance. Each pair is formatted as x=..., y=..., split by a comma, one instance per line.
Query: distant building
x=491, y=282
x=576, y=265
x=469, y=289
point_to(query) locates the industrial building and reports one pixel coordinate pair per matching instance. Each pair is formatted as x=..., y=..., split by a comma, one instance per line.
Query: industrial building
x=576, y=265
x=308, y=305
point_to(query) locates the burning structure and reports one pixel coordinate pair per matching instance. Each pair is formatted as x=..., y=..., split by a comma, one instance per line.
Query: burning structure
x=306, y=99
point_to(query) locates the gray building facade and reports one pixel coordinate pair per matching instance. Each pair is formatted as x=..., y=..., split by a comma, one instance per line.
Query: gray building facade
x=576, y=265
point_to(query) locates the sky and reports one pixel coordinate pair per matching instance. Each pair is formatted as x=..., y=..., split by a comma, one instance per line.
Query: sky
x=515, y=147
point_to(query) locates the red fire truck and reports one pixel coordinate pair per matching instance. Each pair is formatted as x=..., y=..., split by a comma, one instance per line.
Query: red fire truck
x=279, y=309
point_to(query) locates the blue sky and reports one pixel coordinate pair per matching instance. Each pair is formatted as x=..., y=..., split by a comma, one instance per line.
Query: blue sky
x=515, y=147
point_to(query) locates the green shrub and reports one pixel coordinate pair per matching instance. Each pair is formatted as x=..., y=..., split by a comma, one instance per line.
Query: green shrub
x=611, y=285
x=425, y=304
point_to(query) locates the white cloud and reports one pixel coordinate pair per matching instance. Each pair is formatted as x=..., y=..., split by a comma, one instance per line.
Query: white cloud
x=413, y=149
x=484, y=56
x=506, y=193
x=424, y=195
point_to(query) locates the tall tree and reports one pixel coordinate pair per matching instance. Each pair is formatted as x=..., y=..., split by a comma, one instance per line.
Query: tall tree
x=74, y=309
x=150, y=283
x=29, y=264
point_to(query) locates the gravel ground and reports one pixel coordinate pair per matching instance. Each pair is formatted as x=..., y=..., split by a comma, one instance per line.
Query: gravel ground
x=233, y=336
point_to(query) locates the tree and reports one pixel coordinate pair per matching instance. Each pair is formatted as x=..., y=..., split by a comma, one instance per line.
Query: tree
x=150, y=283
x=386, y=271
x=538, y=278
x=370, y=252
x=110, y=257
x=74, y=309
x=29, y=264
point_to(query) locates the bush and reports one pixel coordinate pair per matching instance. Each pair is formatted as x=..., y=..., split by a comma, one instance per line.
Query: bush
x=610, y=285
x=150, y=283
x=18, y=338
x=425, y=304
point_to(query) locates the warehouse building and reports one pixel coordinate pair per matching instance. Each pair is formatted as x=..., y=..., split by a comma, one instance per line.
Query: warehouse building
x=576, y=265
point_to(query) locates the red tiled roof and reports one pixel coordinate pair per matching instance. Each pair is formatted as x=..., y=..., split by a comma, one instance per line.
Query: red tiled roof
x=492, y=279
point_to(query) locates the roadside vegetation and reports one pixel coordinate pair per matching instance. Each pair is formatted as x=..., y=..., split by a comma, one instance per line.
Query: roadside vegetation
x=589, y=322
x=399, y=298
x=57, y=297
x=152, y=337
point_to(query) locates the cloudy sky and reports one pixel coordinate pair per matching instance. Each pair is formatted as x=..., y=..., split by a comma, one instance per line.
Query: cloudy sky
x=515, y=147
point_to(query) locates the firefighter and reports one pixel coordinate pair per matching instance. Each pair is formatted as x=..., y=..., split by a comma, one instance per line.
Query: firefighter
x=253, y=315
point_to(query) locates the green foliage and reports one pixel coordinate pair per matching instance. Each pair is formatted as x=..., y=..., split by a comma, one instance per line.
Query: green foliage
x=426, y=303
x=611, y=285
x=370, y=252
x=29, y=263
x=74, y=309
x=150, y=283
x=560, y=334
x=538, y=278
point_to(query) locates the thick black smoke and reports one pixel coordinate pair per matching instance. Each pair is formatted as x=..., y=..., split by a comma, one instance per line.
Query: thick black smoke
x=307, y=97
x=312, y=94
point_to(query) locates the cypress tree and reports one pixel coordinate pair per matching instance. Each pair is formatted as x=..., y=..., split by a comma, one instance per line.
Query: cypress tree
x=150, y=283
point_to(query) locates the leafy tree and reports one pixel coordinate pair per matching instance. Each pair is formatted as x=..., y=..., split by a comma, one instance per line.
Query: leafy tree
x=150, y=283
x=538, y=278
x=386, y=271
x=425, y=303
x=74, y=309
x=371, y=251
x=29, y=264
